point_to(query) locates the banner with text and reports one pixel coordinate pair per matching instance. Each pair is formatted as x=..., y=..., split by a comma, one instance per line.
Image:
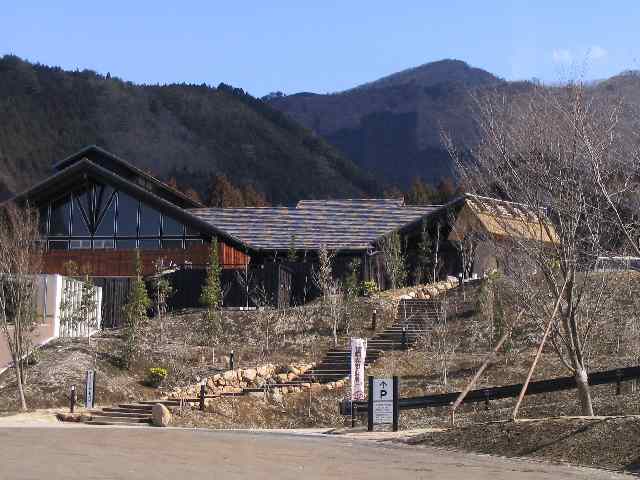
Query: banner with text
x=358, y=355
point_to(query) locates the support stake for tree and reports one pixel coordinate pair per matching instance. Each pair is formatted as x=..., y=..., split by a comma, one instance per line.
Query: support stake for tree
x=231, y=360
x=202, y=393
x=374, y=320
x=538, y=353
x=482, y=368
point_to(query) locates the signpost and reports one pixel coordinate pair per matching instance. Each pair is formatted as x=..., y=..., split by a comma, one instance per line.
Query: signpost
x=383, y=402
x=89, y=395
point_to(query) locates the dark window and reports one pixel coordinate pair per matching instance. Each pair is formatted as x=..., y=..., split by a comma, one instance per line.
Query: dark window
x=149, y=244
x=43, y=220
x=192, y=232
x=58, y=245
x=171, y=243
x=127, y=215
x=103, y=198
x=100, y=243
x=79, y=221
x=107, y=220
x=189, y=242
x=80, y=244
x=149, y=221
x=126, y=243
x=170, y=227
x=60, y=217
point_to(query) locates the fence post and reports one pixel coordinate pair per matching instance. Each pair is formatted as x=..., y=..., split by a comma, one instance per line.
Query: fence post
x=404, y=338
x=231, y=360
x=202, y=392
x=370, y=405
x=72, y=399
x=374, y=320
x=396, y=402
x=354, y=414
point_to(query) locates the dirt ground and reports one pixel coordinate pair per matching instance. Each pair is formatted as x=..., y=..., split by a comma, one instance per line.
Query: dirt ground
x=609, y=442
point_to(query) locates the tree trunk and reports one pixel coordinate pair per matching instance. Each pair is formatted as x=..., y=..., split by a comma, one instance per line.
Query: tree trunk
x=584, y=393
x=18, y=367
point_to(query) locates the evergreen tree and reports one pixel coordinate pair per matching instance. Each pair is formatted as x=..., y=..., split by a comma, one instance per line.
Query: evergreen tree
x=292, y=254
x=211, y=296
x=212, y=328
x=135, y=315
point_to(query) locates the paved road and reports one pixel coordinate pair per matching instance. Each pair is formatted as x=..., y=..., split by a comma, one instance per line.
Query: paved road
x=145, y=453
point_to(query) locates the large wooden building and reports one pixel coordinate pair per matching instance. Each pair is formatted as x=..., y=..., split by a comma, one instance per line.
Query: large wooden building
x=97, y=209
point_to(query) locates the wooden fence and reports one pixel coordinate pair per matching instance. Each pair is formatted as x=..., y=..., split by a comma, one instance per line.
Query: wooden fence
x=616, y=376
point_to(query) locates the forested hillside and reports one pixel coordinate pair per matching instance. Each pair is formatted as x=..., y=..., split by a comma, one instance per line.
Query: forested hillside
x=193, y=134
x=392, y=126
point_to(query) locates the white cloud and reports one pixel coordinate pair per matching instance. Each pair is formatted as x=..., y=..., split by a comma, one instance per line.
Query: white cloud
x=597, y=52
x=562, y=55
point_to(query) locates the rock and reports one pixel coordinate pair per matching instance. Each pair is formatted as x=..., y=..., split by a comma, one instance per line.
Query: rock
x=339, y=383
x=291, y=376
x=230, y=389
x=293, y=369
x=230, y=375
x=305, y=386
x=217, y=377
x=283, y=377
x=160, y=415
x=249, y=374
x=210, y=383
x=330, y=386
x=276, y=395
x=316, y=387
x=420, y=295
x=263, y=371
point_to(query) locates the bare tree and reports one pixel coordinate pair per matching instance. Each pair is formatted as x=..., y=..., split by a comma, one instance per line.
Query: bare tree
x=394, y=260
x=539, y=150
x=20, y=260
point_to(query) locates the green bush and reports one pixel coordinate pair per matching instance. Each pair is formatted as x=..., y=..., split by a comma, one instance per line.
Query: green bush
x=155, y=376
x=369, y=288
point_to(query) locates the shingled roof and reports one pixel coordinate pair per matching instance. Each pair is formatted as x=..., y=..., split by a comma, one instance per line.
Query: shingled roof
x=354, y=224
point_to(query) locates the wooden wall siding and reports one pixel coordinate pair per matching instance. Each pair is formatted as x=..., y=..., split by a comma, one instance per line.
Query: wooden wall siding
x=121, y=263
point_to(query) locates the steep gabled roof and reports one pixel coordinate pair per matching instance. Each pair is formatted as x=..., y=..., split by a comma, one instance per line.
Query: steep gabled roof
x=79, y=171
x=126, y=170
x=502, y=218
x=334, y=224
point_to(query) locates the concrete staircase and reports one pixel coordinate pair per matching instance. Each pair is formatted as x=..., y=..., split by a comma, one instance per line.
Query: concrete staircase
x=127, y=414
x=414, y=318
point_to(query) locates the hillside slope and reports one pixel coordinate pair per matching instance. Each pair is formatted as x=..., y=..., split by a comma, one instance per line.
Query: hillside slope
x=392, y=126
x=186, y=131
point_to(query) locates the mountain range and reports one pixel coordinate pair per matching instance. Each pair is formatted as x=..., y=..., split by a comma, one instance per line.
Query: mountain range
x=187, y=133
x=359, y=142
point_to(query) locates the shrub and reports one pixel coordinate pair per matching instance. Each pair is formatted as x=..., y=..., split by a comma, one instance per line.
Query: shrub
x=369, y=288
x=155, y=376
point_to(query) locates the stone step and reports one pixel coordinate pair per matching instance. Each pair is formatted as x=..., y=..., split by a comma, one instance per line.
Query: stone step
x=134, y=411
x=119, y=420
x=135, y=406
x=102, y=413
x=166, y=403
x=119, y=424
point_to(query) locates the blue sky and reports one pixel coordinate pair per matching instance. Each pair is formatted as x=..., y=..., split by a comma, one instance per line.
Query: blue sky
x=322, y=46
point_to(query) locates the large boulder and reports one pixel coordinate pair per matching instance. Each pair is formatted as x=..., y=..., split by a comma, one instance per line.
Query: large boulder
x=160, y=415
x=249, y=374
